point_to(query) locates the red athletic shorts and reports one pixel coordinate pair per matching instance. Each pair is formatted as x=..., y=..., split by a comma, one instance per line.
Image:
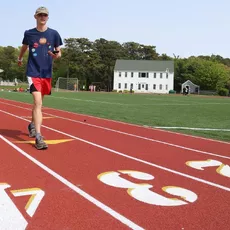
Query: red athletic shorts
x=42, y=85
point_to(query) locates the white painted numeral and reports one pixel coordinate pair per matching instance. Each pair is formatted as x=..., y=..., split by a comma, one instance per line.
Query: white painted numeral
x=142, y=192
x=10, y=216
x=35, y=199
x=222, y=169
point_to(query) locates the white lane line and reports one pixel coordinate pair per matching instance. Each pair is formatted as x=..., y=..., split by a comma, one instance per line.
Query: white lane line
x=127, y=156
x=99, y=204
x=121, y=122
x=129, y=134
x=190, y=128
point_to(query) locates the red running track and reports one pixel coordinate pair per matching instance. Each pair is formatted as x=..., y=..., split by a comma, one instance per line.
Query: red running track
x=161, y=135
x=175, y=157
x=81, y=163
x=59, y=208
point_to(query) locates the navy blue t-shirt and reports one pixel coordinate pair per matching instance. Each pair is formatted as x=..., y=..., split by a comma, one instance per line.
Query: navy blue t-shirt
x=40, y=63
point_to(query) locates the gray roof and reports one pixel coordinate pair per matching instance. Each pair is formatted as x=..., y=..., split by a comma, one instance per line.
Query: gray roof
x=189, y=83
x=144, y=65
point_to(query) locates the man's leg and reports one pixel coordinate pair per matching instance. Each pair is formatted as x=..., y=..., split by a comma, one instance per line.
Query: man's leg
x=37, y=112
x=37, y=117
x=35, y=125
x=31, y=126
x=32, y=129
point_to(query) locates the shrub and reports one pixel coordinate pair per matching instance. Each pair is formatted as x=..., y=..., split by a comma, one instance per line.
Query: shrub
x=171, y=91
x=223, y=92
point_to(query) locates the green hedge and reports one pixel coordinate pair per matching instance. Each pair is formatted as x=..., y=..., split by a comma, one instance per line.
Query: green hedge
x=172, y=91
x=223, y=92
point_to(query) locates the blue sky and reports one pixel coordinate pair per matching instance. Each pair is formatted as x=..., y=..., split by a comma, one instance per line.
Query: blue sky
x=180, y=27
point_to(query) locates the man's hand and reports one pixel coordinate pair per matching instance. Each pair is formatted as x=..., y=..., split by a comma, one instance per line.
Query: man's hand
x=55, y=56
x=22, y=51
x=19, y=62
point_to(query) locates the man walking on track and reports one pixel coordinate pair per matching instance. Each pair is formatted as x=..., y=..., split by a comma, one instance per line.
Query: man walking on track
x=44, y=46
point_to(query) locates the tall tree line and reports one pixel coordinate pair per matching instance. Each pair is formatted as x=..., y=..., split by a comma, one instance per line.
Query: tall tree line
x=94, y=61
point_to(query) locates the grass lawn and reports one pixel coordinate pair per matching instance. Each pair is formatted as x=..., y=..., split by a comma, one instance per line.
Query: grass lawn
x=146, y=109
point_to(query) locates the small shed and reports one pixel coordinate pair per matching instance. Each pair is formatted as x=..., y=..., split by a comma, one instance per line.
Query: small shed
x=192, y=88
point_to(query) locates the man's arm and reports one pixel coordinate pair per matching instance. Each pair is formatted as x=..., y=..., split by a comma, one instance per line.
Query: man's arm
x=22, y=51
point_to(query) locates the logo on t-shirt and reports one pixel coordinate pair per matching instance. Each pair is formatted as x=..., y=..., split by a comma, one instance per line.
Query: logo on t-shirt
x=35, y=45
x=42, y=41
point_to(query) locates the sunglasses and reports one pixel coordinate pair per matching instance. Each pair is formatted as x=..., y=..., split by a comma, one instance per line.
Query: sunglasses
x=42, y=15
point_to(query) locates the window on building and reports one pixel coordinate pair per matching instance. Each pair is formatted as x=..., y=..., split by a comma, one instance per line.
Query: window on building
x=119, y=74
x=160, y=87
x=154, y=86
x=119, y=85
x=166, y=87
x=139, y=86
x=131, y=85
x=167, y=73
x=131, y=74
x=146, y=87
x=125, y=85
x=161, y=75
x=126, y=74
x=143, y=74
x=155, y=75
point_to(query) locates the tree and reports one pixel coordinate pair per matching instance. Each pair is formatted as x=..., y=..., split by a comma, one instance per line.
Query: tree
x=109, y=52
x=7, y=58
x=94, y=61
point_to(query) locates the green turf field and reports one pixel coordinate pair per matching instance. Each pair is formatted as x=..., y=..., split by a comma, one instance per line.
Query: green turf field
x=146, y=109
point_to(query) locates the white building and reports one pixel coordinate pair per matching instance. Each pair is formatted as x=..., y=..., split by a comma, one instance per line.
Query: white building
x=144, y=76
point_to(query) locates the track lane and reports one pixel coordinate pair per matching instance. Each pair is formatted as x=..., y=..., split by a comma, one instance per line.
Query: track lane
x=157, y=153
x=91, y=162
x=161, y=135
x=163, y=155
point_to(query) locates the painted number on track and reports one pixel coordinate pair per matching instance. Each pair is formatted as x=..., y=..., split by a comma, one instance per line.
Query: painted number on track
x=222, y=169
x=142, y=192
x=10, y=216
